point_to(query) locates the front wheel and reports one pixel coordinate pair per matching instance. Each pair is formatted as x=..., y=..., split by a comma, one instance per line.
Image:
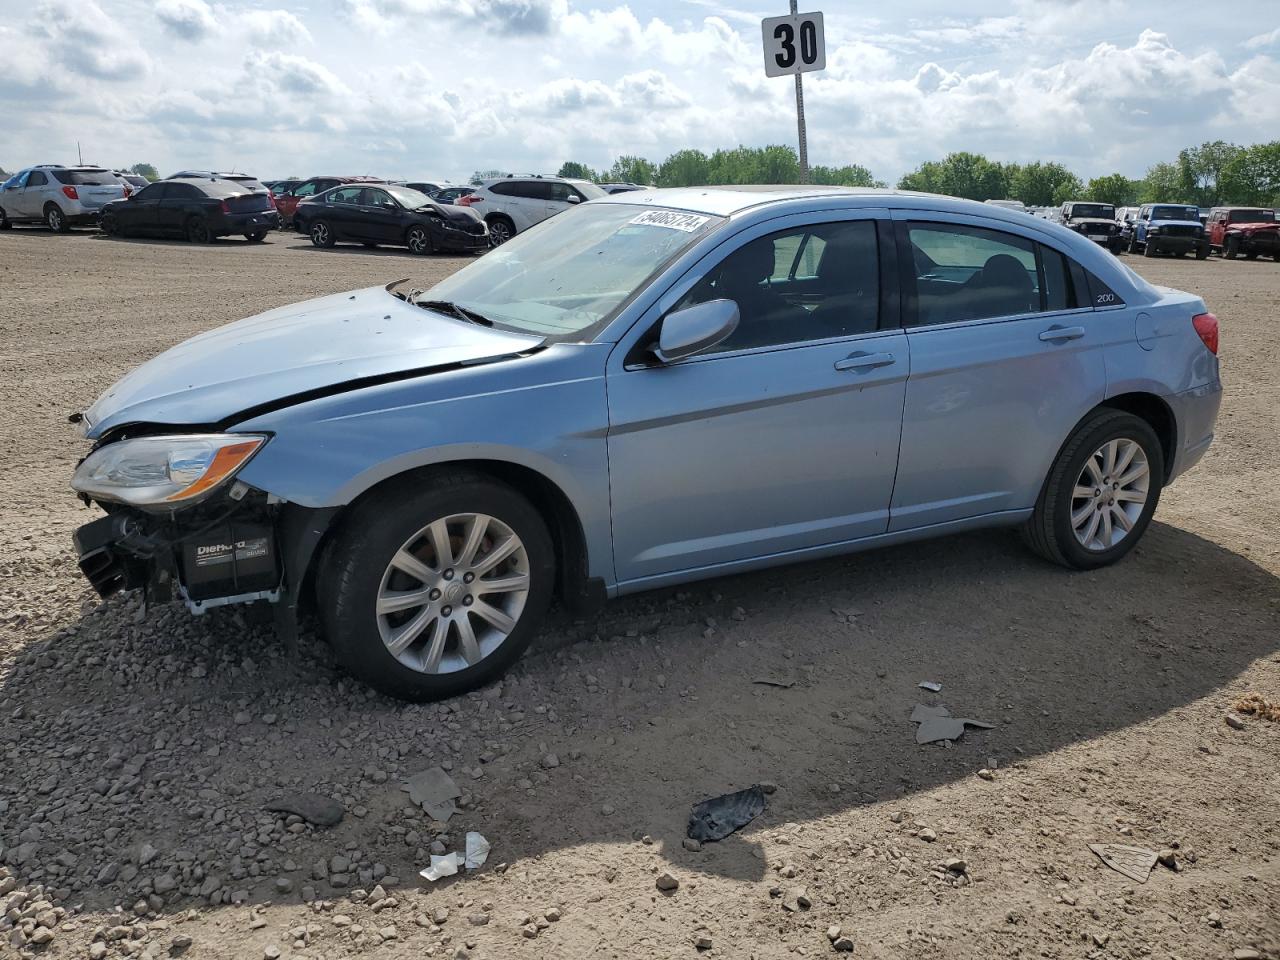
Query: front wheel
x=256, y=236
x=1100, y=493
x=1148, y=249
x=501, y=230
x=1202, y=253
x=436, y=584
x=322, y=235
x=5, y=222
x=110, y=225
x=1231, y=249
x=419, y=240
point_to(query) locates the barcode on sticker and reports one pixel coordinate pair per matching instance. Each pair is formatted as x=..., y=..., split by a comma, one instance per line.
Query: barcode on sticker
x=688, y=222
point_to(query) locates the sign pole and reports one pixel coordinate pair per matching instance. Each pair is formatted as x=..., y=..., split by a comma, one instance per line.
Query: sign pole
x=804, y=140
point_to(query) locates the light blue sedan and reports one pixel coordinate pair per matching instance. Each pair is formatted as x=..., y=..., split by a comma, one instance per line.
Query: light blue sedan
x=649, y=389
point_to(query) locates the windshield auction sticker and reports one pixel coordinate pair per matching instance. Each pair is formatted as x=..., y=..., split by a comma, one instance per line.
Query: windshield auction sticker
x=688, y=222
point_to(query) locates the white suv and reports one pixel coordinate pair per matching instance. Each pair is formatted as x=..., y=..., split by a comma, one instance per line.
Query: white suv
x=60, y=197
x=513, y=204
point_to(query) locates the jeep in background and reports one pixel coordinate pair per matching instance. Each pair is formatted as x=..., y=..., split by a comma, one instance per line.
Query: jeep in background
x=1247, y=230
x=1168, y=228
x=1097, y=221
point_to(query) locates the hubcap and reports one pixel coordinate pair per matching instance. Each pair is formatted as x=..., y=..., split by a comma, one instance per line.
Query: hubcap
x=417, y=241
x=1110, y=494
x=499, y=233
x=453, y=593
x=320, y=233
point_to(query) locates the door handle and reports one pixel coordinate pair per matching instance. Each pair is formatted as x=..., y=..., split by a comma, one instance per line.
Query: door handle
x=864, y=361
x=1054, y=334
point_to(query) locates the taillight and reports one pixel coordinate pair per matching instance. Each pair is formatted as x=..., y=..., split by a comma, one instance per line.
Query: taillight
x=271, y=196
x=127, y=190
x=226, y=207
x=468, y=200
x=71, y=193
x=1206, y=325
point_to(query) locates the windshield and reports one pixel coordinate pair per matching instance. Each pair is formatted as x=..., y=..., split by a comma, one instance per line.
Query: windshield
x=589, y=189
x=1175, y=213
x=408, y=197
x=1094, y=211
x=571, y=272
x=1252, y=216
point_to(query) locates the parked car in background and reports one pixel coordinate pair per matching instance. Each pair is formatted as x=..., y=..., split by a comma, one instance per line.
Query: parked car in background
x=387, y=213
x=511, y=205
x=199, y=209
x=280, y=186
x=452, y=194
x=1168, y=228
x=1017, y=205
x=287, y=201
x=60, y=197
x=1125, y=218
x=429, y=187
x=1097, y=221
x=643, y=392
x=136, y=181
x=1244, y=230
x=612, y=188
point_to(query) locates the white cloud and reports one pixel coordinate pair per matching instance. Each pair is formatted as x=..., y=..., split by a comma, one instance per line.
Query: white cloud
x=188, y=19
x=80, y=38
x=274, y=28
x=1263, y=40
x=501, y=17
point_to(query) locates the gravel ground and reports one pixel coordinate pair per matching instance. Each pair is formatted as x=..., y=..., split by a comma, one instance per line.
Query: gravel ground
x=140, y=747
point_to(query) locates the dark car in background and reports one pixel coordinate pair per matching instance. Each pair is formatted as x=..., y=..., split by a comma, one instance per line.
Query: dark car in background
x=245, y=179
x=281, y=186
x=452, y=194
x=1250, y=231
x=135, y=181
x=391, y=214
x=287, y=200
x=200, y=209
x=621, y=187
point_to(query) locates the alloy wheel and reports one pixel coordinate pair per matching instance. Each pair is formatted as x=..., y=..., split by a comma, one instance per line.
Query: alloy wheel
x=453, y=593
x=54, y=218
x=419, y=242
x=1110, y=494
x=499, y=232
x=320, y=234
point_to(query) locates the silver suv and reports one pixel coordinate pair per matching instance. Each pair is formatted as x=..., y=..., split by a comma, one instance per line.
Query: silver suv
x=511, y=205
x=61, y=197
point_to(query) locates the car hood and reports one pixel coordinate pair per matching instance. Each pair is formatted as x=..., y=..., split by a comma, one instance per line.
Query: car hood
x=294, y=353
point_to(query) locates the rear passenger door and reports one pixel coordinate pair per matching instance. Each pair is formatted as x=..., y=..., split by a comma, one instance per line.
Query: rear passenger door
x=1007, y=354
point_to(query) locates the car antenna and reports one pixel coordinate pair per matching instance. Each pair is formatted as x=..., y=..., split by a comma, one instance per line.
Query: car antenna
x=79, y=155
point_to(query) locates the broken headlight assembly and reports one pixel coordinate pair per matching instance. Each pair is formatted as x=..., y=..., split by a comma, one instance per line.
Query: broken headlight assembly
x=163, y=472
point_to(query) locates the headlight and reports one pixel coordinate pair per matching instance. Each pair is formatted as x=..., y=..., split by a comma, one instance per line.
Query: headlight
x=1153, y=229
x=157, y=471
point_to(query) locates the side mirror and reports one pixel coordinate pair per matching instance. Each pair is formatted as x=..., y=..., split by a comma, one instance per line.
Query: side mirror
x=574, y=198
x=694, y=329
x=389, y=205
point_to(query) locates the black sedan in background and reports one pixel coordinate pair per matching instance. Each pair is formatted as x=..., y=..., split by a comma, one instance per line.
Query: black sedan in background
x=201, y=209
x=387, y=213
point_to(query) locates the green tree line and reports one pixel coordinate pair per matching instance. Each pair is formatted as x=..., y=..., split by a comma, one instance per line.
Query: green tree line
x=1216, y=173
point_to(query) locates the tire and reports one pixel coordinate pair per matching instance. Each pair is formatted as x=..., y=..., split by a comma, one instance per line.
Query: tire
x=356, y=568
x=197, y=231
x=1133, y=245
x=1231, y=248
x=1148, y=249
x=110, y=225
x=5, y=222
x=321, y=235
x=55, y=219
x=418, y=239
x=1050, y=531
x=501, y=229
x=256, y=236
x=1202, y=253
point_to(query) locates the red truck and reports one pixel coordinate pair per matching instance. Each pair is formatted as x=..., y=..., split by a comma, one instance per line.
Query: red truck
x=1243, y=230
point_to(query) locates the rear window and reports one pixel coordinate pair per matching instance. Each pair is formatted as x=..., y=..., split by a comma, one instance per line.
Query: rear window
x=1252, y=216
x=87, y=178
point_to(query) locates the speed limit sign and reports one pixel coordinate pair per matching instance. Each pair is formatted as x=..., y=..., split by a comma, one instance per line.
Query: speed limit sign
x=793, y=44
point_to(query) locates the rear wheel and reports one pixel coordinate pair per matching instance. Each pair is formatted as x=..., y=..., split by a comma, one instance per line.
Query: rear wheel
x=1100, y=493
x=436, y=584
x=198, y=231
x=1202, y=253
x=110, y=225
x=501, y=230
x=5, y=223
x=419, y=240
x=55, y=218
x=256, y=236
x=321, y=234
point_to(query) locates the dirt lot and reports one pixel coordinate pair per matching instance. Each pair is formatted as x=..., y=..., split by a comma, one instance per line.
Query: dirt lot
x=139, y=748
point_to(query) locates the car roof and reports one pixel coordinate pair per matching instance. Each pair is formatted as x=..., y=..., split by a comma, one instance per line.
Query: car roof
x=724, y=201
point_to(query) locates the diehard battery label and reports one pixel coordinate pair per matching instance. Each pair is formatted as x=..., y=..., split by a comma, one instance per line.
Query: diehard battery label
x=213, y=554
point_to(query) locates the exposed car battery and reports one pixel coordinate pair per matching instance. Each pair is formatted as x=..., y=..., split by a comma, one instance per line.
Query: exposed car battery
x=230, y=559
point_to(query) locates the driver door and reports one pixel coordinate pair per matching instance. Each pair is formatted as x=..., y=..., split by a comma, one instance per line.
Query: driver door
x=780, y=439
x=378, y=222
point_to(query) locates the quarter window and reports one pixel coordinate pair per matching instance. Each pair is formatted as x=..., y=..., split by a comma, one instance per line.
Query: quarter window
x=814, y=283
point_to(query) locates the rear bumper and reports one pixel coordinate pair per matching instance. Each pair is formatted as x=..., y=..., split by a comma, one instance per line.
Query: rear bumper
x=1196, y=413
x=245, y=222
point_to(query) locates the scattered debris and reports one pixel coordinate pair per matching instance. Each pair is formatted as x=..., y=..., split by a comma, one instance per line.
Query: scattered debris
x=718, y=817
x=445, y=866
x=693, y=846
x=1255, y=704
x=833, y=932
x=667, y=883
x=771, y=682
x=931, y=685
x=1234, y=722
x=311, y=807
x=986, y=774
x=702, y=940
x=928, y=834
x=434, y=791
x=796, y=899
x=477, y=851
x=1134, y=862
x=843, y=945
x=936, y=723
x=1169, y=858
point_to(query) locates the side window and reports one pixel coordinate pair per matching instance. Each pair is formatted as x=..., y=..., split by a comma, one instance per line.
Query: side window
x=154, y=192
x=1058, y=291
x=375, y=198
x=37, y=179
x=504, y=189
x=534, y=190
x=840, y=299
x=345, y=195
x=182, y=191
x=305, y=189
x=970, y=273
x=562, y=192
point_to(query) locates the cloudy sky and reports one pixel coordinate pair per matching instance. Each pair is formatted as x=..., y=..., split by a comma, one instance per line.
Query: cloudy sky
x=439, y=88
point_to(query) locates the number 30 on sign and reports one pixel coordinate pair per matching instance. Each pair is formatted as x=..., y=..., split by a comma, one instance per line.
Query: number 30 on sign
x=793, y=44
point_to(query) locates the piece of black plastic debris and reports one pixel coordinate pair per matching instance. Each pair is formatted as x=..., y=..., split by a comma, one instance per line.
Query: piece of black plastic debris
x=772, y=682
x=718, y=817
x=311, y=807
